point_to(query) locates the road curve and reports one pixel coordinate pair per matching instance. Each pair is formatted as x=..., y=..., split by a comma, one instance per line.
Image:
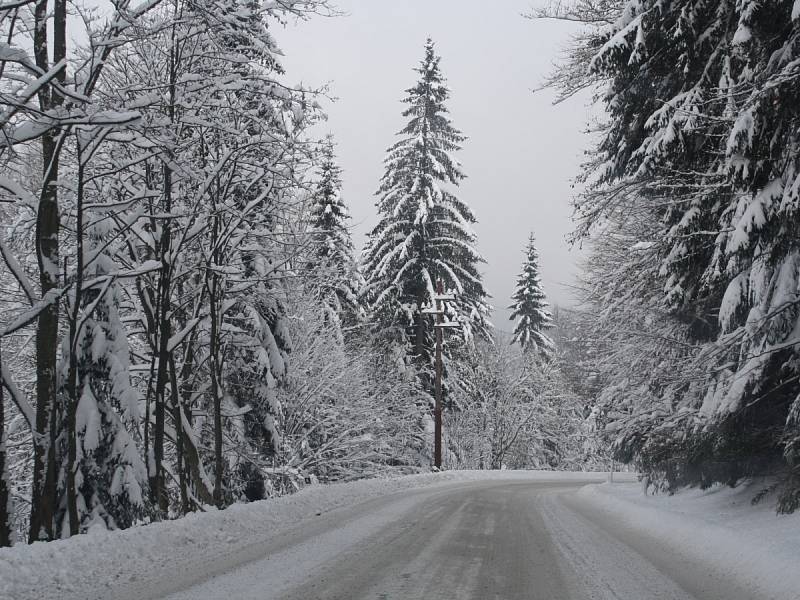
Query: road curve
x=487, y=540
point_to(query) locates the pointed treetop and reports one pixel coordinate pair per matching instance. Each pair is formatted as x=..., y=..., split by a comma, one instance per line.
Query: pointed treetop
x=531, y=311
x=425, y=231
x=531, y=251
x=332, y=246
x=430, y=53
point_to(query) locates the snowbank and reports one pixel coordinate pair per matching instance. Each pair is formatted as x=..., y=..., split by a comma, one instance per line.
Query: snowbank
x=720, y=527
x=102, y=564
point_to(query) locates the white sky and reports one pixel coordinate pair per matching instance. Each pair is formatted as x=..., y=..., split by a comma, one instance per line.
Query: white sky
x=522, y=151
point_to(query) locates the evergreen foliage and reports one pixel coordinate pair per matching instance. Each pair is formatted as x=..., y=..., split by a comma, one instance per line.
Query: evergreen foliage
x=332, y=251
x=692, y=203
x=530, y=310
x=424, y=233
x=181, y=305
x=111, y=476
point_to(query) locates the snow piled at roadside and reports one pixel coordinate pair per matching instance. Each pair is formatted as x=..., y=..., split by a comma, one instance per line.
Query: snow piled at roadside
x=83, y=566
x=719, y=527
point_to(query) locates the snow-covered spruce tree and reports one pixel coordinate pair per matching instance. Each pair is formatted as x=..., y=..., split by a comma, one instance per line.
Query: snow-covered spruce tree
x=424, y=233
x=332, y=252
x=110, y=478
x=701, y=138
x=530, y=310
x=639, y=354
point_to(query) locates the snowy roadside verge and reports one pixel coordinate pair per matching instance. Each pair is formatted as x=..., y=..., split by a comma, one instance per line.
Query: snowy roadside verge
x=719, y=527
x=98, y=564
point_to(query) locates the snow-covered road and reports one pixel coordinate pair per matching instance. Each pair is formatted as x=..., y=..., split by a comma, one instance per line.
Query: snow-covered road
x=482, y=540
x=445, y=536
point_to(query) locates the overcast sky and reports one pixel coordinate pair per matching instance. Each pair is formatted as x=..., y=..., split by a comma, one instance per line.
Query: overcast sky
x=522, y=151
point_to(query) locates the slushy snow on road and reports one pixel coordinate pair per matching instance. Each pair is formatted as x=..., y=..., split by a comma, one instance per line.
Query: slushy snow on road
x=585, y=537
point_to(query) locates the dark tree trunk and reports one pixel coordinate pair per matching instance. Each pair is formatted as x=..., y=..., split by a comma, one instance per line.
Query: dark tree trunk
x=73, y=377
x=179, y=435
x=212, y=284
x=43, y=495
x=157, y=482
x=5, y=491
x=219, y=465
x=191, y=457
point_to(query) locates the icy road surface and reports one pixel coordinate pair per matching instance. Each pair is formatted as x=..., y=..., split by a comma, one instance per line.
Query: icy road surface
x=482, y=540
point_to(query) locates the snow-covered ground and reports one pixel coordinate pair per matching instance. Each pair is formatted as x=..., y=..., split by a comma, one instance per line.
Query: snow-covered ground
x=719, y=527
x=120, y=564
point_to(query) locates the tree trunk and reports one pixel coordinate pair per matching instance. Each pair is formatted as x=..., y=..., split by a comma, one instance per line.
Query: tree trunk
x=6, y=510
x=43, y=494
x=73, y=377
x=497, y=436
x=178, y=424
x=157, y=483
x=215, y=393
x=482, y=440
x=194, y=469
x=213, y=284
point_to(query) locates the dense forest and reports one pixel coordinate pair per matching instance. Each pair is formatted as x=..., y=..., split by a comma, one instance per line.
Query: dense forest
x=187, y=323
x=691, y=293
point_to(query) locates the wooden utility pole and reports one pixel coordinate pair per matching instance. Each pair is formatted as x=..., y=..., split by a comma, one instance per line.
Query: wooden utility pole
x=437, y=410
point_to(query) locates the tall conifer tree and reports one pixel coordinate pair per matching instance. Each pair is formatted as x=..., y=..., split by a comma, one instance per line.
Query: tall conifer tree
x=424, y=233
x=332, y=250
x=531, y=312
x=695, y=191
